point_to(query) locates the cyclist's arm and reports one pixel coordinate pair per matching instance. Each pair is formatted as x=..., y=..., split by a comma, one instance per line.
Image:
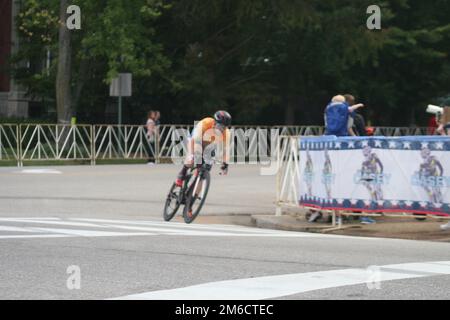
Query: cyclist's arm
x=196, y=141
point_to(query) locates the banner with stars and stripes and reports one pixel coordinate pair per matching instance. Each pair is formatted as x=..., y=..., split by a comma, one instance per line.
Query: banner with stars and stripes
x=376, y=174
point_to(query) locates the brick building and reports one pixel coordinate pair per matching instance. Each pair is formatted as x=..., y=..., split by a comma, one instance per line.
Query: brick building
x=13, y=102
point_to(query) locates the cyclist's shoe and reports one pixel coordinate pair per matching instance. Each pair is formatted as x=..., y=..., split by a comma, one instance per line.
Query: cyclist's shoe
x=179, y=182
x=189, y=214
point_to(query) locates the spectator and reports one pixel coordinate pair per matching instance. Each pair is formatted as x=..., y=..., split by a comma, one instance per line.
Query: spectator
x=444, y=123
x=432, y=125
x=157, y=117
x=157, y=124
x=337, y=115
x=350, y=100
x=357, y=125
x=336, y=123
x=150, y=125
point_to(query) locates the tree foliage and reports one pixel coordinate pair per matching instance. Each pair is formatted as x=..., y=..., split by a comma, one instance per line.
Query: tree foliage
x=266, y=61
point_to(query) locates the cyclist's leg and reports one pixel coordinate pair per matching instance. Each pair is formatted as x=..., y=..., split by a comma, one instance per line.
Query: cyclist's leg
x=188, y=163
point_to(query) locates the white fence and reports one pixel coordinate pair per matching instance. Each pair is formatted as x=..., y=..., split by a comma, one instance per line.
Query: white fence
x=288, y=173
x=9, y=142
x=90, y=143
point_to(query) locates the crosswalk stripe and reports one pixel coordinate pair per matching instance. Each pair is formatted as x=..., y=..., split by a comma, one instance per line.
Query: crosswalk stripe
x=111, y=227
x=182, y=225
x=34, y=236
x=53, y=222
x=168, y=229
x=250, y=231
x=40, y=171
x=15, y=229
x=90, y=233
x=270, y=287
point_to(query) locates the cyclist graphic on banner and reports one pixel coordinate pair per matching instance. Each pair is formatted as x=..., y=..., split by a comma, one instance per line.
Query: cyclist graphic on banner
x=429, y=176
x=308, y=174
x=327, y=175
x=371, y=174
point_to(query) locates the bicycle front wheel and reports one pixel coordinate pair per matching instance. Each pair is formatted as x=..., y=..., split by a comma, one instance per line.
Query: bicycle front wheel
x=196, y=197
x=172, y=203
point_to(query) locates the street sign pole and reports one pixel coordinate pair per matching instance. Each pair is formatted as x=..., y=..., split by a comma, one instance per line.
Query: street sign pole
x=121, y=87
x=120, y=111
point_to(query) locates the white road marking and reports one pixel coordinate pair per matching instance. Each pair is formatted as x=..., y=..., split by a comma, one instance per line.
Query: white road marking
x=221, y=227
x=27, y=219
x=35, y=236
x=167, y=228
x=15, y=229
x=91, y=233
x=54, y=222
x=40, y=171
x=172, y=231
x=112, y=228
x=270, y=287
x=249, y=231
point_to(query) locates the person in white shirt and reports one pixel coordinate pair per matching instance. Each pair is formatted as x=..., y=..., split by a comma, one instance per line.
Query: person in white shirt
x=151, y=125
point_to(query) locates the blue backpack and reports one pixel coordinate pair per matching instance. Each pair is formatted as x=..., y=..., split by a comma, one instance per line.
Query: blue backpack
x=336, y=119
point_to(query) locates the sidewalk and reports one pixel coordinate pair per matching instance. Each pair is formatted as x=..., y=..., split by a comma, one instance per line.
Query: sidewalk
x=400, y=228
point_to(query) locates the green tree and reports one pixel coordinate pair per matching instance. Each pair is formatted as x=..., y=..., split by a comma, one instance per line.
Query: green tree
x=251, y=55
x=116, y=36
x=266, y=61
x=413, y=67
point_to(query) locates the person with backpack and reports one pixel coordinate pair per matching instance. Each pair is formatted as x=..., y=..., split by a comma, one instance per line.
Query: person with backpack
x=337, y=114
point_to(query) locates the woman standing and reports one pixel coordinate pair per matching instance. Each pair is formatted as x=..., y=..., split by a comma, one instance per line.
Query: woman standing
x=151, y=124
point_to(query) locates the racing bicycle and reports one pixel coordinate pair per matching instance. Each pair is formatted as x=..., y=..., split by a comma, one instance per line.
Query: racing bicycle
x=192, y=194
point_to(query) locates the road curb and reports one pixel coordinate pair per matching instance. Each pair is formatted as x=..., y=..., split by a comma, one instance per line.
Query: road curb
x=286, y=223
x=408, y=231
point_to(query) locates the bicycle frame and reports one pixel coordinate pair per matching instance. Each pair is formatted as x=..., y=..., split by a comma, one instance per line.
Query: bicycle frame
x=196, y=171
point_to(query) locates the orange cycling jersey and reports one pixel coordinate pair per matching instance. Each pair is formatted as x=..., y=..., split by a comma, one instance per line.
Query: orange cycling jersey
x=206, y=133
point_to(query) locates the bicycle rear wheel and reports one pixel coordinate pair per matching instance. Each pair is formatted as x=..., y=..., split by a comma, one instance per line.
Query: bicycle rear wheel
x=172, y=203
x=196, y=197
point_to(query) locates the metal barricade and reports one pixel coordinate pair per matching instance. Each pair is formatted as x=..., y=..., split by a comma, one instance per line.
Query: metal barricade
x=9, y=146
x=122, y=142
x=39, y=142
x=400, y=131
x=34, y=142
x=288, y=173
x=171, y=141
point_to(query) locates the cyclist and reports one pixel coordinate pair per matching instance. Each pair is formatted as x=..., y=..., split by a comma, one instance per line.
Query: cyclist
x=207, y=135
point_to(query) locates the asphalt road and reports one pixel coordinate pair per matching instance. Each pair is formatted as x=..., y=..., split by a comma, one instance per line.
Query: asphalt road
x=97, y=233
